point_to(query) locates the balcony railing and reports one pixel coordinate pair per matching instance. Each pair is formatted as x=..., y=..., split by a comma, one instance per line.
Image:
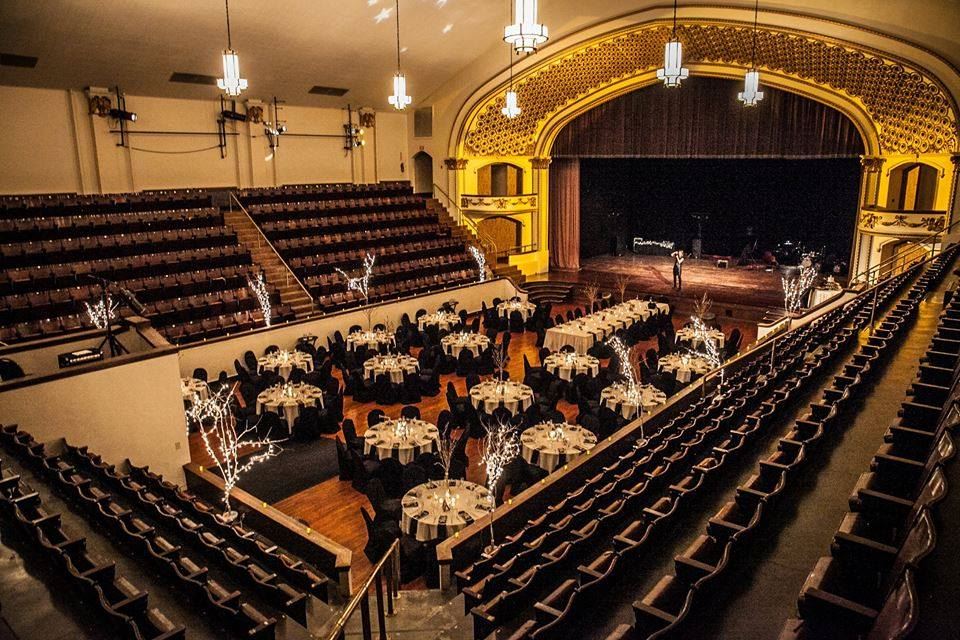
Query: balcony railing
x=901, y=223
x=520, y=203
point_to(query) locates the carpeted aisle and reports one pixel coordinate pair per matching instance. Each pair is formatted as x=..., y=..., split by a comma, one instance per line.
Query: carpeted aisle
x=300, y=466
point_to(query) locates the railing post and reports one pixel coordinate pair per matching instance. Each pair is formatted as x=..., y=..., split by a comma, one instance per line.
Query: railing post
x=390, y=586
x=873, y=308
x=365, y=617
x=381, y=621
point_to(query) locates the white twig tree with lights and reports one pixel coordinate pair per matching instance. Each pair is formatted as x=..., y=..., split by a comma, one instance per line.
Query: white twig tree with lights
x=259, y=287
x=224, y=445
x=796, y=286
x=497, y=449
x=361, y=283
x=102, y=312
x=627, y=371
x=481, y=261
x=702, y=338
x=446, y=448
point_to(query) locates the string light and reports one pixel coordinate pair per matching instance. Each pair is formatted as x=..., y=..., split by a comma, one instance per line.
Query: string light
x=481, y=261
x=498, y=449
x=361, y=284
x=259, y=288
x=223, y=443
x=795, y=287
x=103, y=312
x=622, y=353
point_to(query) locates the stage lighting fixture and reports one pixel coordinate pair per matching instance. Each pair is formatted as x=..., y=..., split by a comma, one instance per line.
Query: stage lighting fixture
x=120, y=114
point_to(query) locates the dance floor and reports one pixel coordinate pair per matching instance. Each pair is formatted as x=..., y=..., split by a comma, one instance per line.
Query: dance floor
x=750, y=286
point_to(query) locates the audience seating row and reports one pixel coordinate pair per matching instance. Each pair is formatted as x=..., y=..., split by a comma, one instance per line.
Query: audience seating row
x=323, y=191
x=71, y=226
x=60, y=204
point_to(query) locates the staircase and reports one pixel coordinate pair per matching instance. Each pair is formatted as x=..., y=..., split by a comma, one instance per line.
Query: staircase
x=462, y=233
x=275, y=271
x=541, y=291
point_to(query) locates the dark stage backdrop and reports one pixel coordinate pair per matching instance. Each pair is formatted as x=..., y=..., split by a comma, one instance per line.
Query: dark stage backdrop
x=813, y=201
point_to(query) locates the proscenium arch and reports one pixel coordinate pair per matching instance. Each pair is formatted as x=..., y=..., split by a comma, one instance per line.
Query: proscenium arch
x=897, y=107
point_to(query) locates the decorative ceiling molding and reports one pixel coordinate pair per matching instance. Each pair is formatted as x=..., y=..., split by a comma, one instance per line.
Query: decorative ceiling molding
x=909, y=108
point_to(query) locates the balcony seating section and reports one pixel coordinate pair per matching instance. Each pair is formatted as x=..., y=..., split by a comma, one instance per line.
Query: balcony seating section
x=158, y=521
x=699, y=570
x=321, y=228
x=865, y=587
x=604, y=525
x=116, y=601
x=171, y=249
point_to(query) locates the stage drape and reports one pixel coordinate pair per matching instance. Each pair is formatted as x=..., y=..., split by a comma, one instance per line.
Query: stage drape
x=565, y=214
x=703, y=119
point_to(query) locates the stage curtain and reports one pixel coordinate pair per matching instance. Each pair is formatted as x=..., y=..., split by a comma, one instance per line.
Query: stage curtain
x=565, y=214
x=703, y=119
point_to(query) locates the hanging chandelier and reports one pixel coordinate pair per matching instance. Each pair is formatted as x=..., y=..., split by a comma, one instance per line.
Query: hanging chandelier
x=511, y=109
x=525, y=34
x=399, y=100
x=751, y=93
x=231, y=83
x=673, y=71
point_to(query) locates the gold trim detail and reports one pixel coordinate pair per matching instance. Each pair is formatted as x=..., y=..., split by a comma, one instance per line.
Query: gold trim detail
x=455, y=164
x=499, y=203
x=910, y=110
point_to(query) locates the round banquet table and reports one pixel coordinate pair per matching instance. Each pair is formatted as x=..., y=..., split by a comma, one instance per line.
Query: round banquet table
x=283, y=362
x=388, y=441
x=550, y=445
x=454, y=343
x=526, y=309
x=376, y=340
x=513, y=396
x=616, y=398
x=687, y=335
x=685, y=368
x=567, y=365
x=191, y=387
x=395, y=366
x=440, y=319
x=425, y=518
x=286, y=400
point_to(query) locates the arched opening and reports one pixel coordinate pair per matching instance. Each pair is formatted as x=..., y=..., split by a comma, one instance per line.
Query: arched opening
x=422, y=172
x=913, y=187
x=500, y=179
x=505, y=232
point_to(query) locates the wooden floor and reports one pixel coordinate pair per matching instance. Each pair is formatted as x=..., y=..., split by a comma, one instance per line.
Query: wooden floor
x=751, y=286
x=333, y=507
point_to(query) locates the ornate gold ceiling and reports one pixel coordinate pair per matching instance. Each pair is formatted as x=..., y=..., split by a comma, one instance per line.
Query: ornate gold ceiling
x=910, y=110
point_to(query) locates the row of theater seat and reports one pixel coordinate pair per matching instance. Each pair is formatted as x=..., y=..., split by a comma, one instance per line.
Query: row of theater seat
x=360, y=240
x=60, y=204
x=118, y=245
x=323, y=191
x=412, y=285
x=71, y=226
x=340, y=223
x=700, y=568
x=205, y=305
x=866, y=586
x=399, y=273
x=224, y=325
x=115, y=599
x=651, y=480
x=324, y=209
x=324, y=264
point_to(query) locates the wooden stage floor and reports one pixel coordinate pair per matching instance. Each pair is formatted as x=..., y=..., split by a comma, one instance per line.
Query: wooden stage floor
x=749, y=286
x=333, y=506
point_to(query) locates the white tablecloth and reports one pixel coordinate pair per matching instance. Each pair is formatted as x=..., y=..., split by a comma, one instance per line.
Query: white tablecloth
x=567, y=365
x=283, y=362
x=440, y=319
x=375, y=340
x=396, y=366
x=616, y=398
x=549, y=445
x=584, y=332
x=454, y=343
x=389, y=442
x=191, y=387
x=687, y=335
x=526, y=309
x=490, y=394
x=425, y=518
x=286, y=400
x=684, y=368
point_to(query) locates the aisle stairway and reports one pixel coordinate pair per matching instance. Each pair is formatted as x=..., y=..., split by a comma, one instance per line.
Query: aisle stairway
x=275, y=271
x=462, y=233
x=543, y=291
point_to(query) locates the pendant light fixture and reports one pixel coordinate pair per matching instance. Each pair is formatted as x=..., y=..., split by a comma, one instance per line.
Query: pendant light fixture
x=673, y=71
x=511, y=109
x=231, y=83
x=525, y=34
x=399, y=100
x=751, y=93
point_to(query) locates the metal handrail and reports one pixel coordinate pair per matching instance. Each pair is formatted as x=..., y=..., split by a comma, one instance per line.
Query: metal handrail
x=233, y=198
x=361, y=598
x=866, y=275
x=488, y=243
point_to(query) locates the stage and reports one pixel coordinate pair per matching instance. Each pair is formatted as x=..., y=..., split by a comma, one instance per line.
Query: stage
x=747, y=286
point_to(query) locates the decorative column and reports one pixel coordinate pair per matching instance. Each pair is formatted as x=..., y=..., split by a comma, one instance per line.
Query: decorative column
x=457, y=166
x=542, y=222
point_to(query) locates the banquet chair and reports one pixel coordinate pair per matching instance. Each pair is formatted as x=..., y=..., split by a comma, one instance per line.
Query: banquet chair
x=517, y=323
x=344, y=464
x=475, y=325
x=269, y=425
x=200, y=374
x=386, y=507
x=307, y=425
x=410, y=412
x=567, y=348
x=466, y=363
x=375, y=417
x=485, y=361
x=250, y=360
x=380, y=535
x=578, y=312
x=297, y=375
x=350, y=437
x=363, y=470
x=410, y=389
x=385, y=391
x=271, y=349
x=415, y=473
x=354, y=328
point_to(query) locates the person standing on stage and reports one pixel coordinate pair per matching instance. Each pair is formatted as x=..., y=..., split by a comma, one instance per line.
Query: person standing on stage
x=677, y=269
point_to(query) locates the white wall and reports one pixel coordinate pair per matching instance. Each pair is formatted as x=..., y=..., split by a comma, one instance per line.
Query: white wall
x=219, y=355
x=52, y=144
x=132, y=410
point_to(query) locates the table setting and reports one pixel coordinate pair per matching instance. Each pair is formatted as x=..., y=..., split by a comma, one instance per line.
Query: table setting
x=393, y=365
x=402, y=439
x=376, y=340
x=490, y=394
x=454, y=343
x=550, y=445
x=438, y=509
x=689, y=336
x=526, y=309
x=194, y=387
x=583, y=333
x=568, y=365
x=618, y=397
x=440, y=319
x=286, y=400
x=283, y=362
x=685, y=367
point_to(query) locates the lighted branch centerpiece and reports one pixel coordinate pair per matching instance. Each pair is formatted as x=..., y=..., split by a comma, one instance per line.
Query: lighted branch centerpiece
x=798, y=283
x=361, y=283
x=592, y=293
x=218, y=430
x=259, y=288
x=102, y=312
x=498, y=449
x=481, y=261
x=702, y=334
x=446, y=448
